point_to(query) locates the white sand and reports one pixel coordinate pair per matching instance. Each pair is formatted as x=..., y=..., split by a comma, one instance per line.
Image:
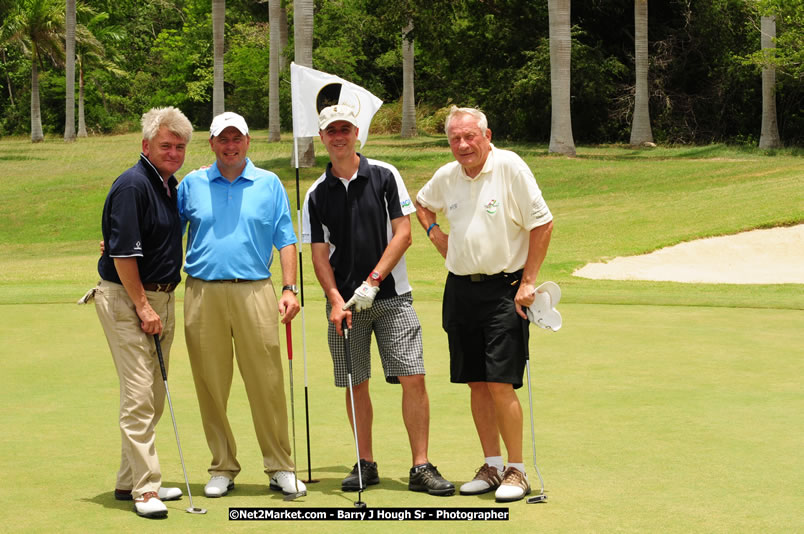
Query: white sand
x=772, y=256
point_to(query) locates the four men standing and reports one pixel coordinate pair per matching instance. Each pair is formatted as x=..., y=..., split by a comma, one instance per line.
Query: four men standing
x=356, y=217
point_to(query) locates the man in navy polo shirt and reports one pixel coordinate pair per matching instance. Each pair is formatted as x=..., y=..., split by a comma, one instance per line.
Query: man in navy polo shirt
x=139, y=269
x=237, y=214
x=356, y=217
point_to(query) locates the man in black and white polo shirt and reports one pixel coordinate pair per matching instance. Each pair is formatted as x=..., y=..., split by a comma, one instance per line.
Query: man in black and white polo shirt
x=356, y=218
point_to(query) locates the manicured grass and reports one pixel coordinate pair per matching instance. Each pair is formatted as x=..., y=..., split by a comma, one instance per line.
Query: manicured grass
x=659, y=406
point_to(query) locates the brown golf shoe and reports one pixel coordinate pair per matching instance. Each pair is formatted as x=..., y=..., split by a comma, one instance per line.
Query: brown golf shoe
x=486, y=479
x=514, y=486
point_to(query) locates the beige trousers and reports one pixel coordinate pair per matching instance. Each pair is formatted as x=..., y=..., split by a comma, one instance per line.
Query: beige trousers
x=142, y=389
x=215, y=315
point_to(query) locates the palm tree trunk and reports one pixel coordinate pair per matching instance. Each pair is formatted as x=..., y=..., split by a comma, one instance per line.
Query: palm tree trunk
x=769, y=135
x=274, y=12
x=408, y=100
x=560, y=62
x=36, y=113
x=303, y=37
x=218, y=19
x=640, y=128
x=82, y=126
x=69, y=101
x=283, y=37
x=8, y=78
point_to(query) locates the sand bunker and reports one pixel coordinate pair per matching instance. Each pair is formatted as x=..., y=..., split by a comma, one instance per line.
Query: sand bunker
x=772, y=256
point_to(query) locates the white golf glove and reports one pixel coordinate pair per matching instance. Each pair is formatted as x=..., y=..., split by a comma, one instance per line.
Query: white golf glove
x=363, y=297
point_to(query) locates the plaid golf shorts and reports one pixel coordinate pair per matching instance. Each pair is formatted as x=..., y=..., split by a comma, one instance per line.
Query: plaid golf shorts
x=398, y=333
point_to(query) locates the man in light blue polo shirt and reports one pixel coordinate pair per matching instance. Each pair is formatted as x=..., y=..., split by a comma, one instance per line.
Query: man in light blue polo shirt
x=235, y=215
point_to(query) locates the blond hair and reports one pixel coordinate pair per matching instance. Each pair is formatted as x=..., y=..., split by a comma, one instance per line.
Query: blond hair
x=171, y=118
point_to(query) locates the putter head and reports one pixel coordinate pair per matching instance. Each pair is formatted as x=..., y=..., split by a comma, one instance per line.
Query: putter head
x=538, y=498
x=194, y=510
x=294, y=496
x=360, y=504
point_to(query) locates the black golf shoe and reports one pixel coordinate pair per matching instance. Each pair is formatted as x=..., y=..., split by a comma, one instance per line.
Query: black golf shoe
x=368, y=472
x=427, y=478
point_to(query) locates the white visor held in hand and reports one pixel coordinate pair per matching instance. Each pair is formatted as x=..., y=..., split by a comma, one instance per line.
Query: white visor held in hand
x=543, y=311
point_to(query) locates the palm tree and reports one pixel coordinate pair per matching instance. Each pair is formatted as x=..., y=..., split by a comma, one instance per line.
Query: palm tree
x=408, y=101
x=91, y=52
x=303, y=42
x=274, y=14
x=769, y=135
x=69, y=101
x=640, y=128
x=37, y=27
x=218, y=19
x=560, y=61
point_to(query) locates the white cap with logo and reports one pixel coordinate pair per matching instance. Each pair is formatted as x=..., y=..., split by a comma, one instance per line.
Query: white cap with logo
x=226, y=119
x=341, y=112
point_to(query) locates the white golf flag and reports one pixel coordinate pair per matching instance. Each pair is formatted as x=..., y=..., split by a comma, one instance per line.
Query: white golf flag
x=305, y=86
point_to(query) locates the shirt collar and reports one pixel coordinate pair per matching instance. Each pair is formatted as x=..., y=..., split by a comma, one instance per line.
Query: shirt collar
x=154, y=175
x=249, y=172
x=487, y=166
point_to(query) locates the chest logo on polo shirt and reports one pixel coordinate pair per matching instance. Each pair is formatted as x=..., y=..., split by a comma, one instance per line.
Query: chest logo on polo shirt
x=491, y=206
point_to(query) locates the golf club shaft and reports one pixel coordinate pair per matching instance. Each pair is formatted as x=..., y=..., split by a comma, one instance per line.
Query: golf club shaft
x=348, y=355
x=172, y=416
x=289, y=335
x=532, y=430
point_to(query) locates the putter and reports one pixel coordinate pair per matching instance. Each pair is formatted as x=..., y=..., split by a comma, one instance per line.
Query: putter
x=192, y=509
x=541, y=497
x=288, y=333
x=359, y=503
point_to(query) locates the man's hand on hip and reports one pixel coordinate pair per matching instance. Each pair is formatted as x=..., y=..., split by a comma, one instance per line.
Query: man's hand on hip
x=363, y=297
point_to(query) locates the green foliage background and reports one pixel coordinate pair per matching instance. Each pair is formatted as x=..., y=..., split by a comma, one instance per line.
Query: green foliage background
x=704, y=77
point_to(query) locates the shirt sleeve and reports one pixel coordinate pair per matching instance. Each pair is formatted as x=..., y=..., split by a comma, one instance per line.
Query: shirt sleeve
x=125, y=221
x=430, y=195
x=532, y=208
x=284, y=233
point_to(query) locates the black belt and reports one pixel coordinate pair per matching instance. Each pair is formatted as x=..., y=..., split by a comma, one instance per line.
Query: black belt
x=487, y=277
x=232, y=280
x=162, y=288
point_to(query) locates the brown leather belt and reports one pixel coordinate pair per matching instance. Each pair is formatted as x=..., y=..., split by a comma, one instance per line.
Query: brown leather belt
x=162, y=288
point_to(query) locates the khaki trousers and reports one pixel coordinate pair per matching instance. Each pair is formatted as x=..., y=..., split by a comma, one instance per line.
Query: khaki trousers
x=215, y=314
x=142, y=390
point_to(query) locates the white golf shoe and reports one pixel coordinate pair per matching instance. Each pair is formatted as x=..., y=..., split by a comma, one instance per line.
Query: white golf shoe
x=285, y=481
x=148, y=505
x=218, y=486
x=169, y=494
x=514, y=486
x=165, y=494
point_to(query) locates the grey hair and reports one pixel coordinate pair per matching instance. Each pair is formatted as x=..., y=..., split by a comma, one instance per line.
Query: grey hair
x=482, y=121
x=171, y=118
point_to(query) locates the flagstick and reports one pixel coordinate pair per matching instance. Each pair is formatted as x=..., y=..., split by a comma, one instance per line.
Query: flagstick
x=301, y=289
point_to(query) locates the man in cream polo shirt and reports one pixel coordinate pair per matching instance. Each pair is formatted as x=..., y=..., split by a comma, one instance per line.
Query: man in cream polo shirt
x=500, y=229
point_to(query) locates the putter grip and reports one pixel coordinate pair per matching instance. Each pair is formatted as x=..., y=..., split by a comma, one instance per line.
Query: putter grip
x=159, y=355
x=289, y=336
x=346, y=349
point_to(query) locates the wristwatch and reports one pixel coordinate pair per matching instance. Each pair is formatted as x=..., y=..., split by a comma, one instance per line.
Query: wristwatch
x=291, y=288
x=376, y=276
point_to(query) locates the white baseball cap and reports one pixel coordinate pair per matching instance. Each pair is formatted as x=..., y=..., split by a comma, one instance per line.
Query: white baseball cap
x=226, y=119
x=543, y=311
x=341, y=112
